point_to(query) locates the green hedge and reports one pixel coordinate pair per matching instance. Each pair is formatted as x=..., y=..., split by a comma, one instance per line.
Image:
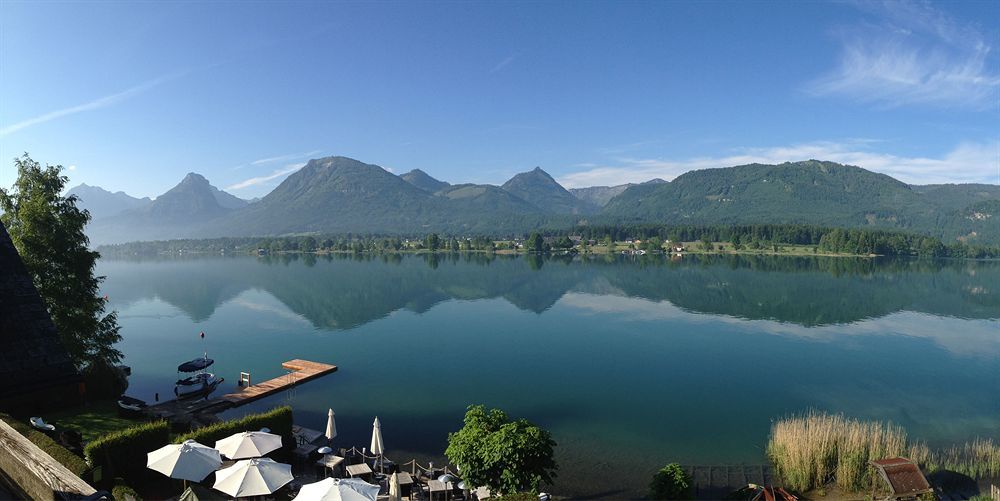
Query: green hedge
x=279, y=420
x=122, y=453
x=64, y=456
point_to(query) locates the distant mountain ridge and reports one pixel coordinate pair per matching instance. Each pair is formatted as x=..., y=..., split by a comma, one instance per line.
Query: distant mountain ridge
x=341, y=195
x=174, y=214
x=102, y=203
x=424, y=181
x=601, y=195
x=538, y=188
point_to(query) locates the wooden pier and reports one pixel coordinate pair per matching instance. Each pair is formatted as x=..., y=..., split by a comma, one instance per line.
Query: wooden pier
x=196, y=412
x=302, y=371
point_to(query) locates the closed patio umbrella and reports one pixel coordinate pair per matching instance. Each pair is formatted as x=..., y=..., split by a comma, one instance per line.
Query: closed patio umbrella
x=338, y=489
x=253, y=477
x=248, y=444
x=331, y=427
x=394, y=490
x=187, y=461
x=377, y=445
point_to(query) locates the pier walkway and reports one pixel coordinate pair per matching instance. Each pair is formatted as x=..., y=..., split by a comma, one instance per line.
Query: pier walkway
x=302, y=371
x=196, y=412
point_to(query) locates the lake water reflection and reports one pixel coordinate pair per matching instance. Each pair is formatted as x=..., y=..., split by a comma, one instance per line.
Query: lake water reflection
x=631, y=363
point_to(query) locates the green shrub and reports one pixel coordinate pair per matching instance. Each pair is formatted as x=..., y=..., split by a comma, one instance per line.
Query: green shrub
x=122, y=492
x=64, y=456
x=520, y=496
x=279, y=420
x=122, y=453
x=671, y=482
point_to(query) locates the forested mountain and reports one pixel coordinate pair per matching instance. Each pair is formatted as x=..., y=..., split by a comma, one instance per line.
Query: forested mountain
x=487, y=199
x=958, y=196
x=601, y=195
x=341, y=195
x=422, y=180
x=333, y=194
x=810, y=192
x=539, y=189
x=102, y=203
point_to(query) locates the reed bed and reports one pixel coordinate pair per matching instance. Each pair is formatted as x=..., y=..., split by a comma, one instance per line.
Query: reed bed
x=813, y=449
x=979, y=458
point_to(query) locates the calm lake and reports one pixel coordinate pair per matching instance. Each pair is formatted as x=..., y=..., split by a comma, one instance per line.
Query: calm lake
x=630, y=363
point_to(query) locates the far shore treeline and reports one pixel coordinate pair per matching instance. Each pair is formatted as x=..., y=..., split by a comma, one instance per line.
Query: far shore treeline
x=762, y=238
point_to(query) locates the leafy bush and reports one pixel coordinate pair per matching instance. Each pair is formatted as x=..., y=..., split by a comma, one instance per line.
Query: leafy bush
x=122, y=492
x=506, y=456
x=64, y=456
x=123, y=453
x=671, y=482
x=520, y=496
x=279, y=420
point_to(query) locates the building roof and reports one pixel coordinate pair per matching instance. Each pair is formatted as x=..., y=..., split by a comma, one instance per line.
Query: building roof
x=32, y=356
x=903, y=476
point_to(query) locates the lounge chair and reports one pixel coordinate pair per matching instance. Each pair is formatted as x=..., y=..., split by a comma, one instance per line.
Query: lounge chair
x=40, y=424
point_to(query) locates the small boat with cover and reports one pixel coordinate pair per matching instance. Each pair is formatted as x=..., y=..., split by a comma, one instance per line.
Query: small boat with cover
x=130, y=407
x=200, y=384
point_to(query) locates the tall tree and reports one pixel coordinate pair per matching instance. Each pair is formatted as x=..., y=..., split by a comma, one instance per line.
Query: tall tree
x=47, y=230
x=433, y=242
x=506, y=456
x=535, y=243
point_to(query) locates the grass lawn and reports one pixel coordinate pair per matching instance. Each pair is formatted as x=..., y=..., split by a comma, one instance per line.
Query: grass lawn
x=92, y=419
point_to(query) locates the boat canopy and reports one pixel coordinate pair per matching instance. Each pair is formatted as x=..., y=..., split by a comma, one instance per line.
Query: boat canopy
x=195, y=365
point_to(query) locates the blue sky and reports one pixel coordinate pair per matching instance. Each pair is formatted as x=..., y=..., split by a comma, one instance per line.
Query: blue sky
x=132, y=95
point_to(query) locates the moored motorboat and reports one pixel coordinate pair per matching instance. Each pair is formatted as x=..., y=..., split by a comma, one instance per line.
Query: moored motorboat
x=130, y=407
x=197, y=385
x=200, y=384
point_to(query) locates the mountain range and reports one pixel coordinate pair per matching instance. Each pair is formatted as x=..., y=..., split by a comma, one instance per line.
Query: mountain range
x=341, y=195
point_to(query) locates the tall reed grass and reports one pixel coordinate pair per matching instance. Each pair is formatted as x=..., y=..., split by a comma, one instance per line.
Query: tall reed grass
x=813, y=449
x=979, y=458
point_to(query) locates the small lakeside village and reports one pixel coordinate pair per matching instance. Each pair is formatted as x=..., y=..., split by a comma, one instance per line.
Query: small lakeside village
x=70, y=435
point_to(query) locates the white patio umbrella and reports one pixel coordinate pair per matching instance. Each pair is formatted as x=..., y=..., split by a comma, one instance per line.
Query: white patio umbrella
x=377, y=446
x=338, y=489
x=248, y=444
x=331, y=427
x=187, y=461
x=253, y=477
x=394, y=490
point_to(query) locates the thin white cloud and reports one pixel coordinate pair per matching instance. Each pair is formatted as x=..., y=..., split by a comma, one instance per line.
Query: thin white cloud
x=96, y=104
x=284, y=158
x=912, y=54
x=71, y=168
x=288, y=169
x=277, y=158
x=968, y=163
x=503, y=64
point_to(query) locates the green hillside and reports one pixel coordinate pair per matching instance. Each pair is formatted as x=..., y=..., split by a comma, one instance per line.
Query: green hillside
x=810, y=192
